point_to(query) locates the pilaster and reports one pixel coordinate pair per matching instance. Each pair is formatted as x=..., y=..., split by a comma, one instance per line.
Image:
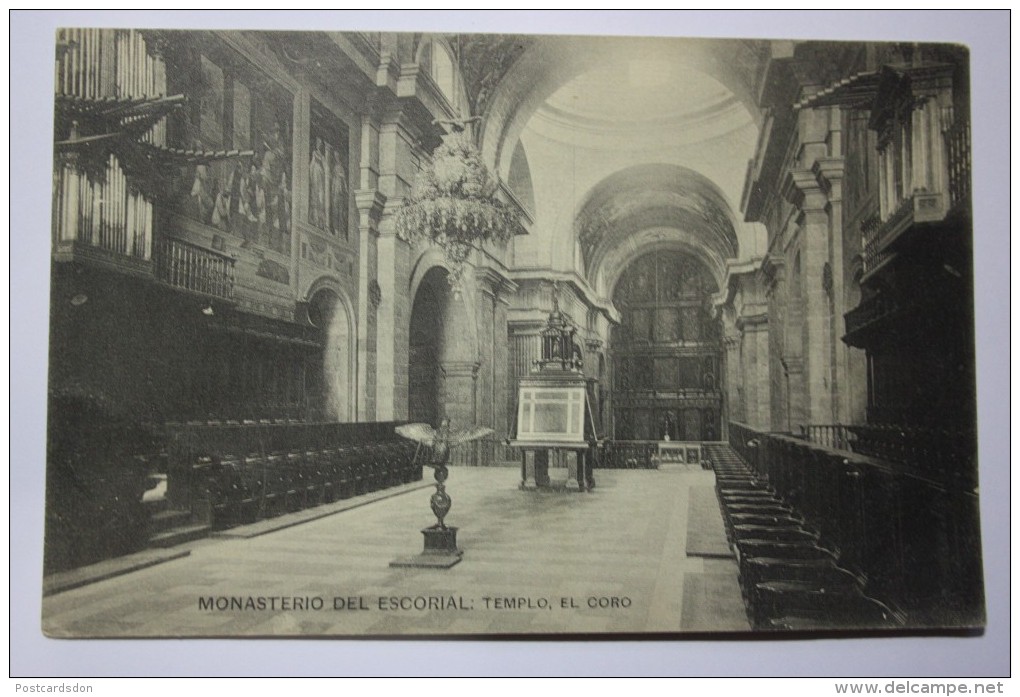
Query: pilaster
x=370, y=205
x=803, y=189
x=755, y=368
x=398, y=161
x=829, y=173
x=493, y=290
x=459, y=392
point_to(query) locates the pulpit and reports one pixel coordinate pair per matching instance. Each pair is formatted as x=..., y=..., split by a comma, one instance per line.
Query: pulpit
x=554, y=417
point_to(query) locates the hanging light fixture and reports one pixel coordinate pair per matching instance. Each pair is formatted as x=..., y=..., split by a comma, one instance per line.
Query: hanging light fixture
x=454, y=204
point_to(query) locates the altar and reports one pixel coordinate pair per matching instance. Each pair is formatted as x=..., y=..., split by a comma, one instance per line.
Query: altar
x=677, y=453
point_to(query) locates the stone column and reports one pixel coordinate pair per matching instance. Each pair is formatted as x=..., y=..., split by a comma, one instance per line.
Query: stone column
x=485, y=319
x=494, y=350
x=398, y=158
x=829, y=172
x=370, y=205
x=459, y=399
x=394, y=319
x=802, y=188
x=734, y=408
x=755, y=368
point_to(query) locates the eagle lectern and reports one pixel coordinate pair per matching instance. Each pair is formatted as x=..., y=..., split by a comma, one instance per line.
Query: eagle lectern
x=554, y=411
x=441, y=551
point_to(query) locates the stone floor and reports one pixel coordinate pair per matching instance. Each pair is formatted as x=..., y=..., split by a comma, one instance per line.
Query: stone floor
x=609, y=561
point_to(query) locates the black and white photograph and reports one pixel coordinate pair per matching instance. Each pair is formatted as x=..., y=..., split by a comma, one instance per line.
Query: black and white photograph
x=453, y=334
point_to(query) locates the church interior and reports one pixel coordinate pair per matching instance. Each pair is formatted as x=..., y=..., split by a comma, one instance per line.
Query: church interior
x=745, y=265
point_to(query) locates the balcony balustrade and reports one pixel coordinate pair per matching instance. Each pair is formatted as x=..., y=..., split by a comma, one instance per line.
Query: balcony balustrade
x=931, y=200
x=958, y=146
x=193, y=268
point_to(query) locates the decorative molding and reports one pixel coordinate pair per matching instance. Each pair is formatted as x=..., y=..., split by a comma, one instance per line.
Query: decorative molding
x=494, y=283
x=388, y=71
x=583, y=290
x=371, y=203
x=757, y=322
x=772, y=269
x=829, y=173
x=526, y=327
x=326, y=253
x=736, y=271
x=792, y=365
x=462, y=369
x=273, y=271
x=801, y=188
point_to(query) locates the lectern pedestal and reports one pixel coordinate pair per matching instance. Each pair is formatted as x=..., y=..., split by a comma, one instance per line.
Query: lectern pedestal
x=553, y=410
x=535, y=470
x=441, y=551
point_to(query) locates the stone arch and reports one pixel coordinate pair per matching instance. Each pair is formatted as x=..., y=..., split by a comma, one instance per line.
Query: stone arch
x=652, y=240
x=330, y=310
x=648, y=205
x=442, y=351
x=519, y=179
x=548, y=64
x=430, y=258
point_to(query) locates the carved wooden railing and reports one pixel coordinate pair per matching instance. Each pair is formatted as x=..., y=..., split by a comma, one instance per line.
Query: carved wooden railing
x=830, y=435
x=912, y=537
x=941, y=453
x=490, y=451
x=630, y=454
x=870, y=228
x=876, y=233
x=869, y=312
x=958, y=149
x=193, y=268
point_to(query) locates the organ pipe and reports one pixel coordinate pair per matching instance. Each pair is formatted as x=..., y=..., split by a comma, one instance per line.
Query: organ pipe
x=106, y=66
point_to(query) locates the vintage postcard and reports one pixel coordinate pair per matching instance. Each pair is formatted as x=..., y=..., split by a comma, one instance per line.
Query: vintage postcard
x=380, y=334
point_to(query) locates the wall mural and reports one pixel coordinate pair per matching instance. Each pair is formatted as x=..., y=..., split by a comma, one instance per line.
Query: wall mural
x=328, y=188
x=246, y=121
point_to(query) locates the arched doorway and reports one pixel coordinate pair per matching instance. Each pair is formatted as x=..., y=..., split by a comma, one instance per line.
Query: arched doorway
x=442, y=354
x=424, y=377
x=666, y=351
x=332, y=386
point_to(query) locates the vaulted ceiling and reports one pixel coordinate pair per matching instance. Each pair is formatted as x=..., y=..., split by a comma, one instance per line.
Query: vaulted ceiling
x=660, y=197
x=628, y=140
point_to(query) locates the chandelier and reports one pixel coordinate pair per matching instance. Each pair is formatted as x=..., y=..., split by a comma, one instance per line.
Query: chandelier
x=454, y=204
